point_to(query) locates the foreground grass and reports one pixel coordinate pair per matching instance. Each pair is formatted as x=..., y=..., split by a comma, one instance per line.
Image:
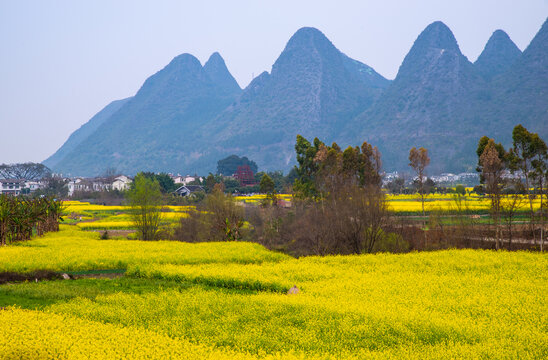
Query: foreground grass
x=447, y=304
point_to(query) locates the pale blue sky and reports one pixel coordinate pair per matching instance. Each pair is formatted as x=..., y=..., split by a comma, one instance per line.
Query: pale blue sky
x=62, y=61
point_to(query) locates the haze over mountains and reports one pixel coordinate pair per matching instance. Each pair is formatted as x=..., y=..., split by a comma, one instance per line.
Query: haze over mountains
x=186, y=117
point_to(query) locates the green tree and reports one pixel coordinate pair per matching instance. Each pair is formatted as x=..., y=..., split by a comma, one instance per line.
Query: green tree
x=304, y=186
x=323, y=169
x=528, y=156
x=167, y=185
x=459, y=189
x=480, y=149
x=145, y=198
x=231, y=185
x=229, y=165
x=268, y=187
x=210, y=182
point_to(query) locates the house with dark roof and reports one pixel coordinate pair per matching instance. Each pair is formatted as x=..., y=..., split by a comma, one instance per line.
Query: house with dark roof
x=187, y=190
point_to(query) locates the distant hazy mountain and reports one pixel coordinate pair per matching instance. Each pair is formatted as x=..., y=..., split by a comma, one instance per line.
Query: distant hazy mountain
x=521, y=94
x=430, y=103
x=160, y=127
x=497, y=56
x=186, y=117
x=443, y=102
x=313, y=90
x=83, y=132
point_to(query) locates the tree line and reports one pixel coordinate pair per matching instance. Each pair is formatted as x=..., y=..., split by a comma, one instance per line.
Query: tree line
x=527, y=159
x=339, y=206
x=20, y=217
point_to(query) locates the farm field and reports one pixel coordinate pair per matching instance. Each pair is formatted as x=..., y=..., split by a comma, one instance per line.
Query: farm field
x=401, y=204
x=229, y=300
x=106, y=217
x=100, y=217
x=433, y=202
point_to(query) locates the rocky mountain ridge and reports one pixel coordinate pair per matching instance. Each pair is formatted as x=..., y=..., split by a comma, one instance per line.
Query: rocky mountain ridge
x=187, y=116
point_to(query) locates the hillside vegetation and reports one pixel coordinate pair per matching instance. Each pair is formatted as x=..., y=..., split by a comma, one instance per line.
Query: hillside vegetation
x=187, y=116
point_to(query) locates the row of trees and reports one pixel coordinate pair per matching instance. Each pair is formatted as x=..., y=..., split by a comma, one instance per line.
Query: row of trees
x=338, y=204
x=528, y=160
x=339, y=207
x=21, y=217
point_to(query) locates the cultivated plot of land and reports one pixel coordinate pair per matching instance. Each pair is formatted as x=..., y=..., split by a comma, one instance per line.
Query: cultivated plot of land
x=229, y=300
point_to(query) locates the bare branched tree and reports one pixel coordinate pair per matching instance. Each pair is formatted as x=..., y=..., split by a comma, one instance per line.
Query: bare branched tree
x=419, y=160
x=27, y=171
x=492, y=167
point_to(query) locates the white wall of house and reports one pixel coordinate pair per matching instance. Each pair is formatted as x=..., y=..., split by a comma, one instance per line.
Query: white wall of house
x=121, y=183
x=11, y=186
x=34, y=185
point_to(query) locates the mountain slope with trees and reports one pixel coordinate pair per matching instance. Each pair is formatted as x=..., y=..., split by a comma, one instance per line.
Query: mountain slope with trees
x=435, y=89
x=441, y=101
x=520, y=95
x=160, y=127
x=499, y=54
x=313, y=90
x=188, y=116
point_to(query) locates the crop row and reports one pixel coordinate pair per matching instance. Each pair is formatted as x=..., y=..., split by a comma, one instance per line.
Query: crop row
x=452, y=304
x=35, y=335
x=73, y=249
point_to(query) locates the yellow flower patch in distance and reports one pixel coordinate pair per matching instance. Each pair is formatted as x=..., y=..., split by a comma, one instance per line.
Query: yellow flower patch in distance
x=448, y=202
x=72, y=249
x=106, y=225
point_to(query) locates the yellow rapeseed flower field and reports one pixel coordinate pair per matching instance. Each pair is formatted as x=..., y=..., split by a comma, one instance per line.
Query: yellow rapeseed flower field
x=103, y=217
x=74, y=250
x=71, y=338
x=402, y=204
x=433, y=202
x=448, y=202
x=229, y=300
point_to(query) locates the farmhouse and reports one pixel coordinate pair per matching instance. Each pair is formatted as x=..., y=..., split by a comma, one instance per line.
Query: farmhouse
x=121, y=183
x=78, y=184
x=187, y=190
x=11, y=186
x=32, y=186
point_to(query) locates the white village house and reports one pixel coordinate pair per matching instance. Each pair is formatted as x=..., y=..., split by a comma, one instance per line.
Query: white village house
x=184, y=180
x=11, y=186
x=121, y=183
x=78, y=184
x=34, y=185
